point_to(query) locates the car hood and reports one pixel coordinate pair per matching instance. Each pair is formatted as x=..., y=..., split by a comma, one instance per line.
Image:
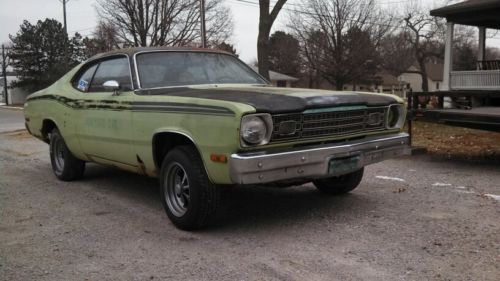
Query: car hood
x=277, y=100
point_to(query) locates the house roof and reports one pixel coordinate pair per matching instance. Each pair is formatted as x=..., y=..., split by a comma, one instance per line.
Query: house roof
x=276, y=76
x=434, y=70
x=388, y=79
x=483, y=13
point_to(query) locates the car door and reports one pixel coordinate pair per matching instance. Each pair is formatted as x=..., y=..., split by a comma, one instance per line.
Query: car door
x=105, y=119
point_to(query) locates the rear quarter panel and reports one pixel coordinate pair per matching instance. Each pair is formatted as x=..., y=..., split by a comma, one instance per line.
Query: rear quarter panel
x=48, y=104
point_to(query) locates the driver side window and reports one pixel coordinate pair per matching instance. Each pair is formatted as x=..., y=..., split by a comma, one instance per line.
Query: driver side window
x=114, y=69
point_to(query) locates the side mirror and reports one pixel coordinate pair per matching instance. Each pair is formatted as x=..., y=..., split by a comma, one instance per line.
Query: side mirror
x=111, y=86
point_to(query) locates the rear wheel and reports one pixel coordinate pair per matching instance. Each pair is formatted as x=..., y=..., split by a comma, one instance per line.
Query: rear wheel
x=65, y=165
x=189, y=198
x=341, y=184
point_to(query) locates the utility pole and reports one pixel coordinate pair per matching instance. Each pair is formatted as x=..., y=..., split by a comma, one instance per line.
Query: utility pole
x=65, y=32
x=4, y=72
x=203, y=26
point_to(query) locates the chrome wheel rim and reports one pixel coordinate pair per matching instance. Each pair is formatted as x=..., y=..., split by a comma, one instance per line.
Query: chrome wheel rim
x=58, y=153
x=176, y=190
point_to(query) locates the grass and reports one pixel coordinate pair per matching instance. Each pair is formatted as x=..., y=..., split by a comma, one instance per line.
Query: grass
x=457, y=143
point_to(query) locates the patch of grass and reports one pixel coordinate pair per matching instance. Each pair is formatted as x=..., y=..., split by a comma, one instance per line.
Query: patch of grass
x=457, y=143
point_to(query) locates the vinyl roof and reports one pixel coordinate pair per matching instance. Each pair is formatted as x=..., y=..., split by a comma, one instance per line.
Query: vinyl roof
x=132, y=51
x=485, y=13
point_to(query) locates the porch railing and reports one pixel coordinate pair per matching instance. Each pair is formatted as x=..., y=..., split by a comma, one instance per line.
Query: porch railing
x=475, y=80
x=488, y=65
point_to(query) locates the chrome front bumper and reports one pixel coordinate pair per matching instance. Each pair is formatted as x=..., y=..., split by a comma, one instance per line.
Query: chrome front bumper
x=314, y=162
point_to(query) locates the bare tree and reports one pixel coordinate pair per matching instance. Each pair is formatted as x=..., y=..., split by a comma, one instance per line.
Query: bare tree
x=397, y=53
x=266, y=21
x=219, y=22
x=226, y=47
x=313, y=48
x=104, y=39
x=165, y=22
x=348, y=33
x=425, y=33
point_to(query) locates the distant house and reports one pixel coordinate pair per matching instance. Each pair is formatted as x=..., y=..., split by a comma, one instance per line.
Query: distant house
x=434, y=77
x=16, y=95
x=279, y=79
x=383, y=82
x=390, y=84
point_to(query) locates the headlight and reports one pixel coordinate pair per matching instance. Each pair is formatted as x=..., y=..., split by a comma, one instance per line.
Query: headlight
x=395, y=116
x=256, y=129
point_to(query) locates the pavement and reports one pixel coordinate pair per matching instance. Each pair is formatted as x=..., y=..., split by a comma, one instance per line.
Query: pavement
x=410, y=219
x=11, y=119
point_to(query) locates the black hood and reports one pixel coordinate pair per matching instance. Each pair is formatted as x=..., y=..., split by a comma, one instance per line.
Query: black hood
x=278, y=100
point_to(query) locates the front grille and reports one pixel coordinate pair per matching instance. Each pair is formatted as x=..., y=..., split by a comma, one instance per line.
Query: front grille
x=326, y=124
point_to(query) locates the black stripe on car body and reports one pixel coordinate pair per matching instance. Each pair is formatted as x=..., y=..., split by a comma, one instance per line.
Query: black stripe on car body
x=137, y=106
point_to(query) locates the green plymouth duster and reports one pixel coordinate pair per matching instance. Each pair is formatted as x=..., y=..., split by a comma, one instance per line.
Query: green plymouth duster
x=200, y=119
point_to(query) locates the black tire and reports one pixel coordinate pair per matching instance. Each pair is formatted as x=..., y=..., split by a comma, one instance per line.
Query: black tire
x=190, y=207
x=341, y=184
x=65, y=165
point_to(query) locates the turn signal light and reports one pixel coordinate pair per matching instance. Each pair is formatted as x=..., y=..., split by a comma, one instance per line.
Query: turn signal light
x=220, y=158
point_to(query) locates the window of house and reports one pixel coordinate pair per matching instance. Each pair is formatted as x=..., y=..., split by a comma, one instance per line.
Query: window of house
x=281, y=83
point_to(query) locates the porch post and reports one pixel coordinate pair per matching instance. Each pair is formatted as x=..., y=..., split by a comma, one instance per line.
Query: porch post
x=448, y=56
x=482, y=43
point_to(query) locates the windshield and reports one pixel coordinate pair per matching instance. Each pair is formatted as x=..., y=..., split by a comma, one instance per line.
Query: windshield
x=168, y=69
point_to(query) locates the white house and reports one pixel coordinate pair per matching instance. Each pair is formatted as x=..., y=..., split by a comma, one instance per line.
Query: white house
x=16, y=95
x=414, y=80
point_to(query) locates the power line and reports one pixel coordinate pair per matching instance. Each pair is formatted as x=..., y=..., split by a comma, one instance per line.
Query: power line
x=254, y=4
x=250, y=3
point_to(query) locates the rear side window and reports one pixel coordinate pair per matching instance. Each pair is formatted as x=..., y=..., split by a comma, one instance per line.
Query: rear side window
x=83, y=82
x=114, y=69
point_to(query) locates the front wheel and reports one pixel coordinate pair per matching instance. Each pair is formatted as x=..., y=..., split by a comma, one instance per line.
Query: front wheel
x=341, y=184
x=65, y=165
x=189, y=198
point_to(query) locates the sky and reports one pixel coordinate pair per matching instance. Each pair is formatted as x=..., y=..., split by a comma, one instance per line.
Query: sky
x=82, y=18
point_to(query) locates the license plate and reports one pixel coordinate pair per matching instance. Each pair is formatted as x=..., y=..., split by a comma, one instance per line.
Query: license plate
x=344, y=165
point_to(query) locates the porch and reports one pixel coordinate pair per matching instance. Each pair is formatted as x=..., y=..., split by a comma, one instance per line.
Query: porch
x=482, y=14
x=475, y=80
x=474, y=93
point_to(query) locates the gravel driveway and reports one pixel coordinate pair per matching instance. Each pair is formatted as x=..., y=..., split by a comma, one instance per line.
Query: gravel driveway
x=411, y=219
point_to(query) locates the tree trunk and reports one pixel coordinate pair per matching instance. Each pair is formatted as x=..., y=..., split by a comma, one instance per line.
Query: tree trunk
x=263, y=54
x=310, y=84
x=339, y=85
x=423, y=73
x=263, y=44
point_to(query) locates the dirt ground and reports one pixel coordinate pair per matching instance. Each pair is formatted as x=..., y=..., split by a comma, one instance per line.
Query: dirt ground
x=411, y=219
x=457, y=143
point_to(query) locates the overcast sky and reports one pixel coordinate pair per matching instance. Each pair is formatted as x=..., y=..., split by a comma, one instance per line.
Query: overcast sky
x=82, y=18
